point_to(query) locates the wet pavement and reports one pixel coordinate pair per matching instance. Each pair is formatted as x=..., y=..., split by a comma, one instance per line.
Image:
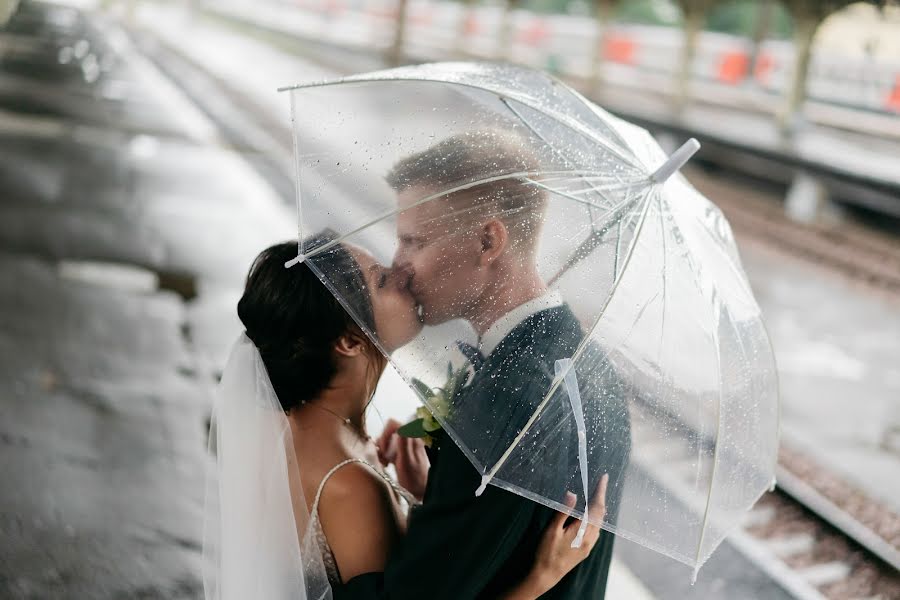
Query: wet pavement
x=125, y=230
x=127, y=222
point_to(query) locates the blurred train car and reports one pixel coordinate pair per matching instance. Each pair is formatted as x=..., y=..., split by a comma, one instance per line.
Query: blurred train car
x=633, y=55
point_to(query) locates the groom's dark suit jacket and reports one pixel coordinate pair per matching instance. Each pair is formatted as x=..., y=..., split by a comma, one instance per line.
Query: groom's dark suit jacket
x=460, y=546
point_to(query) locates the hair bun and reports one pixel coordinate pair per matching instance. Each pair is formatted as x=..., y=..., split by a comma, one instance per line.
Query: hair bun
x=294, y=320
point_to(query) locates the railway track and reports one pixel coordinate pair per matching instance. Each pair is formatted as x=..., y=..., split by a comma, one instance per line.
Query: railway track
x=815, y=536
x=815, y=541
x=826, y=546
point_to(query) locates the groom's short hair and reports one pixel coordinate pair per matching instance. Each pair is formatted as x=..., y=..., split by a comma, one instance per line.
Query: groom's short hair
x=486, y=154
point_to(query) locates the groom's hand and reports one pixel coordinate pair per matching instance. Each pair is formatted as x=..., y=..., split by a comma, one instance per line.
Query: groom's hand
x=387, y=442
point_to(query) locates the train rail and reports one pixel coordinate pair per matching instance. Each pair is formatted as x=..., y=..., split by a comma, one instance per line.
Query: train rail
x=842, y=552
x=813, y=534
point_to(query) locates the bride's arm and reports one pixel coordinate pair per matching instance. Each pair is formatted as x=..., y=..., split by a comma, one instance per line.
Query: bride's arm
x=555, y=555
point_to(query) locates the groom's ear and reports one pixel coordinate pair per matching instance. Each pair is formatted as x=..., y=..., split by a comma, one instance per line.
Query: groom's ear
x=494, y=238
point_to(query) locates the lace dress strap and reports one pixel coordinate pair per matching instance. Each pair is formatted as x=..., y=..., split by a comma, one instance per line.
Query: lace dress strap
x=405, y=494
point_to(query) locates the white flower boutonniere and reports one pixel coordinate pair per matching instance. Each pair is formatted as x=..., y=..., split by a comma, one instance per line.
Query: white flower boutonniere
x=439, y=404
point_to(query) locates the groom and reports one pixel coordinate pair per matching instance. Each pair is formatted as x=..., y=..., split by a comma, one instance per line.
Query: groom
x=472, y=255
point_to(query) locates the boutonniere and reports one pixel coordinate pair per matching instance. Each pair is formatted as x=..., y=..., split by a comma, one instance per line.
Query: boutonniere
x=439, y=403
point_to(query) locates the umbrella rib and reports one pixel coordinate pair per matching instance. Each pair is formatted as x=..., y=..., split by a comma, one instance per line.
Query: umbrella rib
x=592, y=241
x=485, y=479
x=297, y=169
x=568, y=195
x=618, y=249
x=714, y=338
x=712, y=476
x=597, y=175
x=540, y=136
x=777, y=403
x=523, y=174
x=617, y=184
x=662, y=235
x=702, y=433
x=567, y=122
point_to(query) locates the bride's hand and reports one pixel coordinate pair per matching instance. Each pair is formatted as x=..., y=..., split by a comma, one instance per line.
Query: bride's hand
x=555, y=555
x=412, y=465
x=387, y=443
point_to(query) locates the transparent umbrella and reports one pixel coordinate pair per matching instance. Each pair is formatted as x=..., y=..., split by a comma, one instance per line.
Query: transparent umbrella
x=580, y=309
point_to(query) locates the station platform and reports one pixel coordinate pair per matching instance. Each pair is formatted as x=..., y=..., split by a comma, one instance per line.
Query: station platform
x=128, y=221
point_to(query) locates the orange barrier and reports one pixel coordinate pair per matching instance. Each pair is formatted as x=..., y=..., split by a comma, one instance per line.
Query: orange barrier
x=893, y=100
x=619, y=48
x=733, y=67
x=471, y=25
x=535, y=34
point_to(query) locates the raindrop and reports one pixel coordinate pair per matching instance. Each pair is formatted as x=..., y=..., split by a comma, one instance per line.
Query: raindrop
x=65, y=55
x=81, y=49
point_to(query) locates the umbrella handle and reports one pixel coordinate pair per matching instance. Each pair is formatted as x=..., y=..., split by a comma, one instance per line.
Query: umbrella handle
x=678, y=159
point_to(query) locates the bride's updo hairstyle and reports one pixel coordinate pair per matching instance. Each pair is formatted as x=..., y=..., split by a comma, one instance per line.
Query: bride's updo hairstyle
x=295, y=321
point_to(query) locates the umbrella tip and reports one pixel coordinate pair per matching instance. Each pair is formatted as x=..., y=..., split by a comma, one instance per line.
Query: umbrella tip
x=295, y=261
x=678, y=159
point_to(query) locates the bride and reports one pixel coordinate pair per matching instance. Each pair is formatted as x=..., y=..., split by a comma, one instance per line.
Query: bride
x=299, y=506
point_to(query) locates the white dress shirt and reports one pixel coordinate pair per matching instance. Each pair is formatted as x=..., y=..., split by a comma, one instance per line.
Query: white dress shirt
x=505, y=324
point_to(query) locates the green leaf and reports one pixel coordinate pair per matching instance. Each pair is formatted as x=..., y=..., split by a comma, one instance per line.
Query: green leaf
x=423, y=389
x=413, y=429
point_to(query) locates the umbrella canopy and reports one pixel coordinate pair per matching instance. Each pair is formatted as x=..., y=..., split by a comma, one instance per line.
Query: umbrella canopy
x=584, y=308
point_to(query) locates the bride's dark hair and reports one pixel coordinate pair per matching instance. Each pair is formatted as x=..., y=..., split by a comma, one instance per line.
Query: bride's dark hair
x=294, y=320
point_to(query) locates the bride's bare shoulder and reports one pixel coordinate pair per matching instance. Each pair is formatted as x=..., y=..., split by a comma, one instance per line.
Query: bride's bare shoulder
x=358, y=517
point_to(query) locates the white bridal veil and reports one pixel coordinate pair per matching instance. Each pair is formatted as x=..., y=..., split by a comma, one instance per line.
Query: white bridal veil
x=255, y=543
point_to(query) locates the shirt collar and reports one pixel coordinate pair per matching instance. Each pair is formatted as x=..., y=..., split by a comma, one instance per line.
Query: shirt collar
x=505, y=324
